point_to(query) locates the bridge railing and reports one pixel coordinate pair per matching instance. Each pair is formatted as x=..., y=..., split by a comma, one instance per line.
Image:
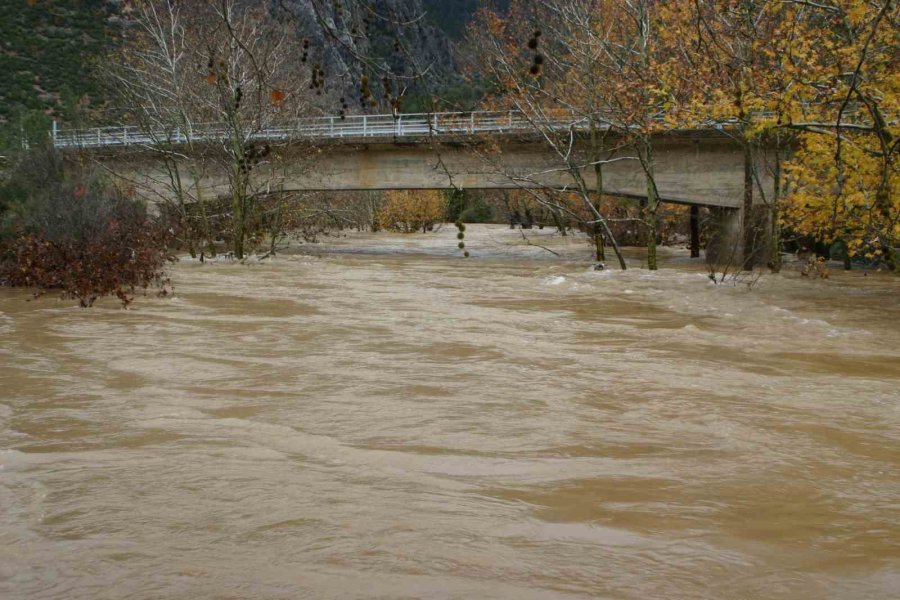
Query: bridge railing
x=388, y=126
x=318, y=128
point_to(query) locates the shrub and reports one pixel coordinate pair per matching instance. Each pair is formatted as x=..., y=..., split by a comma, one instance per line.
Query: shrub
x=477, y=212
x=78, y=235
x=410, y=211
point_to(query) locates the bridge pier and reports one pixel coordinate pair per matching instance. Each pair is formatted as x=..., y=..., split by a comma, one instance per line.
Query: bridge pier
x=695, y=232
x=725, y=244
x=728, y=231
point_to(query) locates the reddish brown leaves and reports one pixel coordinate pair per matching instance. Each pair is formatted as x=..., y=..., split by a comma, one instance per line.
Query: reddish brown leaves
x=125, y=254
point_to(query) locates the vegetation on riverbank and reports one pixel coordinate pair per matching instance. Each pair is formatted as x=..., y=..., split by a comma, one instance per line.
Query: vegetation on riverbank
x=75, y=233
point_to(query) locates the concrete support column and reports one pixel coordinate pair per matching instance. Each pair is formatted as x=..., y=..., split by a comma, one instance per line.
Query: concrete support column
x=695, y=231
x=725, y=247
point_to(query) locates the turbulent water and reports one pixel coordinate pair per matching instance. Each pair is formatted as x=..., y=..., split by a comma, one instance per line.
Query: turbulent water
x=403, y=423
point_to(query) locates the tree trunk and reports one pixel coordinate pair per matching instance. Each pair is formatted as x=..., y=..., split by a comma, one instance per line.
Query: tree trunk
x=775, y=214
x=207, y=233
x=650, y=220
x=237, y=226
x=695, y=232
x=649, y=207
x=596, y=230
x=749, y=233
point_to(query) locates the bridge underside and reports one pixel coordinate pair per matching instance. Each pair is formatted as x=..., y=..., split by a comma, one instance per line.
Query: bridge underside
x=706, y=171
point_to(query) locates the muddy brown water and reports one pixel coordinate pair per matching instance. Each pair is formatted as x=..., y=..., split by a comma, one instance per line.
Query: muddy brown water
x=380, y=419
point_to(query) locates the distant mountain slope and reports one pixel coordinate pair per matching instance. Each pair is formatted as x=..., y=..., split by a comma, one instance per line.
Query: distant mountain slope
x=453, y=15
x=46, y=48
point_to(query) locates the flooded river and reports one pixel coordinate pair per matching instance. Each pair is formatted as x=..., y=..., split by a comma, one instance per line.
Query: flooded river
x=381, y=419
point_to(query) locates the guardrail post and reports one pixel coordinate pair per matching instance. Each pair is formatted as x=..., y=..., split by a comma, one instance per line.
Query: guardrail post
x=400, y=125
x=125, y=135
x=54, y=131
x=472, y=123
x=365, y=125
x=98, y=136
x=434, y=127
x=331, y=120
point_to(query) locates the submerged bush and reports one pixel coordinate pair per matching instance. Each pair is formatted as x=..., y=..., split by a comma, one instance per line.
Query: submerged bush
x=77, y=234
x=408, y=211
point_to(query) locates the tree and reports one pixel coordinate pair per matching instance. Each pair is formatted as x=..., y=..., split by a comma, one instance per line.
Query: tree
x=540, y=60
x=240, y=66
x=852, y=197
x=771, y=72
x=600, y=64
x=155, y=76
x=408, y=211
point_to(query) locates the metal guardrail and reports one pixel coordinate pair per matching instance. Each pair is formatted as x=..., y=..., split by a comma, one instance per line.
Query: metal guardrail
x=386, y=127
x=320, y=128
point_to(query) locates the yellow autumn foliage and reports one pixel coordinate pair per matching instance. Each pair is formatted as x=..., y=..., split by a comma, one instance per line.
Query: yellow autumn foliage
x=408, y=211
x=818, y=207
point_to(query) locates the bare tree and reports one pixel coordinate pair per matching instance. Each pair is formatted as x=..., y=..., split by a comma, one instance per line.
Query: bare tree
x=584, y=74
x=155, y=80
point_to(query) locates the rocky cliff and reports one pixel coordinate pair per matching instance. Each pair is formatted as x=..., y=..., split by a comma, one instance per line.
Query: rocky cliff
x=391, y=43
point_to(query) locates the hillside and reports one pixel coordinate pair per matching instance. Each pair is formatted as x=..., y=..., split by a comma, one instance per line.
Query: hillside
x=46, y=52
x=48, y=47
x=453, y=15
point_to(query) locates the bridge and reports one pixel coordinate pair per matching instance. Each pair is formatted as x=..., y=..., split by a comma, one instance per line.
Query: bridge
x=475, y=150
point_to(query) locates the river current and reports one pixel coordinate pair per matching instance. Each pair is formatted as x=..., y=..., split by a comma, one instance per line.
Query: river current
x=379, y=418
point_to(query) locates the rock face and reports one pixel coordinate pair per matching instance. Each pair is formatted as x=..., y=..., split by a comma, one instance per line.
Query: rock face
x=391, y=42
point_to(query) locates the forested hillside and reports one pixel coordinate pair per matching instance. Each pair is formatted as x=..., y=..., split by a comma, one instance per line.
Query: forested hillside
x=46, y=51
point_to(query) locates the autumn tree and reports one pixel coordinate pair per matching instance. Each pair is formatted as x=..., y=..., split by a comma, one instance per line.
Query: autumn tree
x=72, y=231
x=843, y=181
x=775, y=75
x=408, y=211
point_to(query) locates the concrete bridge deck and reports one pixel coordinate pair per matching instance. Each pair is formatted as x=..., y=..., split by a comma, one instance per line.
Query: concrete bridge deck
x=479, y=150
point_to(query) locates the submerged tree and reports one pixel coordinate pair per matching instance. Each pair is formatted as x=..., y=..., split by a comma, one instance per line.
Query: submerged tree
x=588, y=81
x=408, y=211
x=243, y=67
x=213, y=61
